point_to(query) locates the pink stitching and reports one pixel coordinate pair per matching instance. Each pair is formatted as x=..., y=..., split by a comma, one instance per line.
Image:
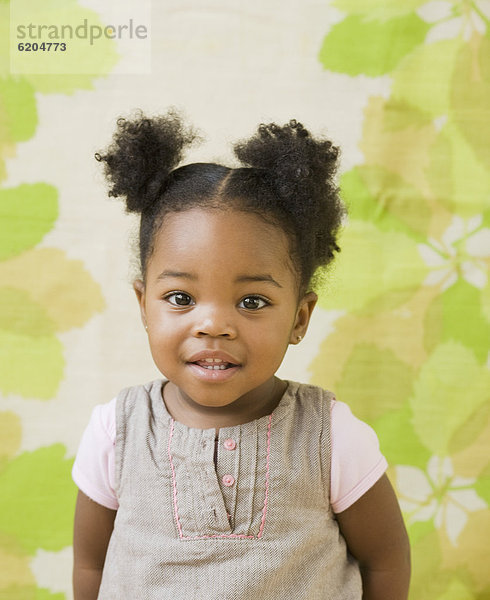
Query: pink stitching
x=223, y=535
x=174, y=485
x=264, y=511
x=220, y=535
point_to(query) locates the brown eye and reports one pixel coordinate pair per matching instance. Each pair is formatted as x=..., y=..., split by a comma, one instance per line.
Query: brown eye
x=179, y=299
x=253, y=303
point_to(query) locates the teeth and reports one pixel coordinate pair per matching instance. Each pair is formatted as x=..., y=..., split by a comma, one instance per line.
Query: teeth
x=214, y=364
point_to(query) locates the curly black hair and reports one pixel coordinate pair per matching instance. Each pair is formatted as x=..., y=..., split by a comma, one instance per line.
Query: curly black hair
x=287, y=178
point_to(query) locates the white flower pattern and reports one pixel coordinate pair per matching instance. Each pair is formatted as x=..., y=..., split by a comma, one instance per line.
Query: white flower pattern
x=455, y=18
x=437, y=494
x=463, y=251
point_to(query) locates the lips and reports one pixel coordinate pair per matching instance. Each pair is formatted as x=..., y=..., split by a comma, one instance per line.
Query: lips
x=213, y=365
x=214, y=359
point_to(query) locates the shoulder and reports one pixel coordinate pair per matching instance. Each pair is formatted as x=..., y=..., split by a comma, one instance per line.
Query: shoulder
x=350, y=446
x=104, y=416
x=346, y=422
x=348, y=431
x=138, y=402
x=309, y=409
x=313, y=397
x=94, y=463
x=139, y=408
x=138, y=393
x=357, y=461
x=101, y=431
x=309, y=396
x=102, y=423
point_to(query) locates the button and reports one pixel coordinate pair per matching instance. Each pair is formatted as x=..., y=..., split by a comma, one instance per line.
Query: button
x=228, y=480
x=229, y=444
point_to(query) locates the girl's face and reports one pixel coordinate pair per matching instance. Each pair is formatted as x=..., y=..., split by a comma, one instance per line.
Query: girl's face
x=220, y=304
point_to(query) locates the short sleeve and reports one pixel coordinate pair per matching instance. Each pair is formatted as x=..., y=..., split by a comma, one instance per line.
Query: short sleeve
x=357, y=462
x=94, y=468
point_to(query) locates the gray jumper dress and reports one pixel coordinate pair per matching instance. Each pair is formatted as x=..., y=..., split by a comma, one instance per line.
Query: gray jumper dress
x=257, y=525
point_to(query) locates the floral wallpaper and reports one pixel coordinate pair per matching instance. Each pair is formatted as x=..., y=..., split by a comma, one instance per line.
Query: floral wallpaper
x=42, y=293
x=403, y=325
x=410, y=351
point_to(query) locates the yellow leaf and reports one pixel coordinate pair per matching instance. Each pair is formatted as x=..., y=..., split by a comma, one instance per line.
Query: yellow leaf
x=10, y=435
x=403, y=151
x=61, y=286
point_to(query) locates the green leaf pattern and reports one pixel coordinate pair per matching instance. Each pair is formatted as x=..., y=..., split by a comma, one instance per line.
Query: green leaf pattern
x=42, y=293
x=410, y=351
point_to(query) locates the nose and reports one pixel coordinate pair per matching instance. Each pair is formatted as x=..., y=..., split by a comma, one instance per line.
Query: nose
x=214, y=321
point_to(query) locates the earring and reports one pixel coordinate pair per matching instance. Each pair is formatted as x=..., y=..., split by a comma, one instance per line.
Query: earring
x=299, y=338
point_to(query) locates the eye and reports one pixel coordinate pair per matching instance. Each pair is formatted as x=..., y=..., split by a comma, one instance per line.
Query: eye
x=179, y=299
x=253, y=303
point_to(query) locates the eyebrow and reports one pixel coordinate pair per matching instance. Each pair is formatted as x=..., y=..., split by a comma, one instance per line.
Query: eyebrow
x=264, y=278
x=177, y=275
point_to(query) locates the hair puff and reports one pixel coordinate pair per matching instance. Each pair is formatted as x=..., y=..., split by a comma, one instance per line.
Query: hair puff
x=142, y=154
x=301, y=170
x=296, y=161
x=287, y=178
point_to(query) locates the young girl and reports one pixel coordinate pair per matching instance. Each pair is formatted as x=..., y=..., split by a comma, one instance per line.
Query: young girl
x=222, y=481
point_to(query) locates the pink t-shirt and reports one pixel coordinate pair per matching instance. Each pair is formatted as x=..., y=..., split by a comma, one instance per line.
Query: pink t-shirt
x=357, y=462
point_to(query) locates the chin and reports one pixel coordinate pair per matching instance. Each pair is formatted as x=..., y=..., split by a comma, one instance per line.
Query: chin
x=213, y=400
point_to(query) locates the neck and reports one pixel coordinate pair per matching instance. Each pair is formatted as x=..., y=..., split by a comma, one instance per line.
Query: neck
x=255, y=404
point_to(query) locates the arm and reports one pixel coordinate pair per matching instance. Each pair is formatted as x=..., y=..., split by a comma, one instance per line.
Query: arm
x=92, y=531
x=376, y=536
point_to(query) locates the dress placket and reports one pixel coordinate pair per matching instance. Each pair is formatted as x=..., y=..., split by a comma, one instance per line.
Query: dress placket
x=198, y=504
x=226, y=499
x=228, y=469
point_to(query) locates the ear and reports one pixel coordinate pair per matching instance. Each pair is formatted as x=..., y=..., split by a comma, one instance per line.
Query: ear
x=303, y=315
x=139, y=290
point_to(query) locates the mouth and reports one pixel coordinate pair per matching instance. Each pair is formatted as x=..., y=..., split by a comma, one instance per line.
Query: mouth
x=214, y=364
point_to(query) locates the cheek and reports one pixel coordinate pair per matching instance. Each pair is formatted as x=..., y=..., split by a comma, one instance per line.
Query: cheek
x=160, y=316
x=163, y=333
x=273, y=339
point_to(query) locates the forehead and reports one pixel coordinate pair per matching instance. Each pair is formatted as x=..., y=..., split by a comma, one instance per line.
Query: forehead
x=212, y=239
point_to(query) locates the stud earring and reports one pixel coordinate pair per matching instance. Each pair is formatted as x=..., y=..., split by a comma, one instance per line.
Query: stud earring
x=299, y=338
